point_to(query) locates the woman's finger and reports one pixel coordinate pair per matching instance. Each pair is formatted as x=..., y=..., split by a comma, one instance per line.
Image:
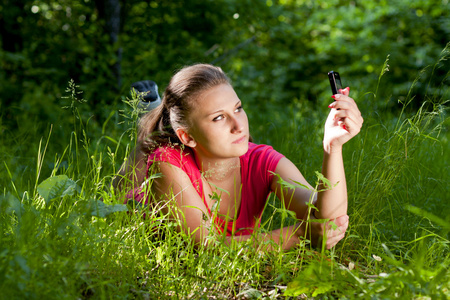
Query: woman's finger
x=343, y=115
x=331, y=242
x=345, y=91
x=349, y=104
x=332, y=236
x=351, y=126
x=342, y=220
x=344, y=98
x=345, y=109
x=335, y=235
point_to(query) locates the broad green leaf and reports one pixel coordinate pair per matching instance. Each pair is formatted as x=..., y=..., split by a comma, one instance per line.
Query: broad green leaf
x=12, y=204
x=102, y=210
x=57, y=186
x=296, y=288
x=322, y=288
x=133, y=204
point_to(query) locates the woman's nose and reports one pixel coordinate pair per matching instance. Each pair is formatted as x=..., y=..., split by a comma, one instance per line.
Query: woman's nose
x=238, y=125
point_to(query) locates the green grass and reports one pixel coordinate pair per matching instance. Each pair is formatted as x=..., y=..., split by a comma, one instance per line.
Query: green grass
x=58, y=240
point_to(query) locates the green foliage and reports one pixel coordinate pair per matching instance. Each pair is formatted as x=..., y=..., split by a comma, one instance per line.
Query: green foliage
x=65, y=233
x=59, y=240
x=57, y=187
x=277, y=52
x=403, y=281
x=60, y=186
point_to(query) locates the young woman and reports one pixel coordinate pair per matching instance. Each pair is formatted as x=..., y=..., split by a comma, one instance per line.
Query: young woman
x=199, y=140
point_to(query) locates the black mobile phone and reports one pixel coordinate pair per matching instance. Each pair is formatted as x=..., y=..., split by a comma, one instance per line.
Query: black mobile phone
x=335, y=82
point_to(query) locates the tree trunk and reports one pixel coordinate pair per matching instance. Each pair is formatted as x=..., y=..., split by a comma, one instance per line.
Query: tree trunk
x=9, y=27
x=109, y=11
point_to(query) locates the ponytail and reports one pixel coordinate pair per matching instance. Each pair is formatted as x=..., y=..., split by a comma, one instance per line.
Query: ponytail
x=155, y=129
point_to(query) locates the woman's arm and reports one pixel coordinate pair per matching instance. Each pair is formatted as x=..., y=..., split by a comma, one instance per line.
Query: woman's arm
x=332, y=202
x=288, y=237
x=343, y=123
x=296, y=201
x=188, y=208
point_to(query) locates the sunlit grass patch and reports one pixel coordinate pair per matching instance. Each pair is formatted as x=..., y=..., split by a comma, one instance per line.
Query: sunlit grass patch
x=65, y=233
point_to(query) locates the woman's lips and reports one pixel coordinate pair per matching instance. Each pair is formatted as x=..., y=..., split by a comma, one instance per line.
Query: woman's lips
x=240, y=140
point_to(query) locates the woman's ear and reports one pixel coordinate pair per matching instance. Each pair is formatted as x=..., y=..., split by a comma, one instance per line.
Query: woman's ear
x=185, y=137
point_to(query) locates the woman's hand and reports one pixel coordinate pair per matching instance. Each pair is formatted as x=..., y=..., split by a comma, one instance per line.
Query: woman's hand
x=343, y=122
x=317, y=232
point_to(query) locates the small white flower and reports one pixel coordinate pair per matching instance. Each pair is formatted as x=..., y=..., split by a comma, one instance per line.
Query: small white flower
x=377, y=258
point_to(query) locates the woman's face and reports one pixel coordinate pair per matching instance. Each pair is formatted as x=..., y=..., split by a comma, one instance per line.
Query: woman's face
x=218, y=124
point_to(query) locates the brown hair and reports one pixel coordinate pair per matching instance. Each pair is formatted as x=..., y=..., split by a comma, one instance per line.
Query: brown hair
x=158, y=126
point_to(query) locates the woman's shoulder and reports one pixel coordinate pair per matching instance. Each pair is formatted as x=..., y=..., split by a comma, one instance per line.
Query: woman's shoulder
x=167, y=149
x=261, y=154
x=171, y=153
x=260, y=150
x=180, y=157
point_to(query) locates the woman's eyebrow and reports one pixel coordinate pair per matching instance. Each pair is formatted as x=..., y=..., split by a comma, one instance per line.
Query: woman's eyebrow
x=221, y=110
x=217, y=111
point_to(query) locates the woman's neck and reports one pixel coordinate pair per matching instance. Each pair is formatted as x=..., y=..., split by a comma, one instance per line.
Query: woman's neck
x=218, y=170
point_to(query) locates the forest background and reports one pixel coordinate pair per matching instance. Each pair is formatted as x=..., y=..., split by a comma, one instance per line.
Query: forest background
x=277, y=53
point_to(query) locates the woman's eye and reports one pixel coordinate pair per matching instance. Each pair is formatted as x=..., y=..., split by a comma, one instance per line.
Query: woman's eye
x=218, y=118
x=239, y=109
